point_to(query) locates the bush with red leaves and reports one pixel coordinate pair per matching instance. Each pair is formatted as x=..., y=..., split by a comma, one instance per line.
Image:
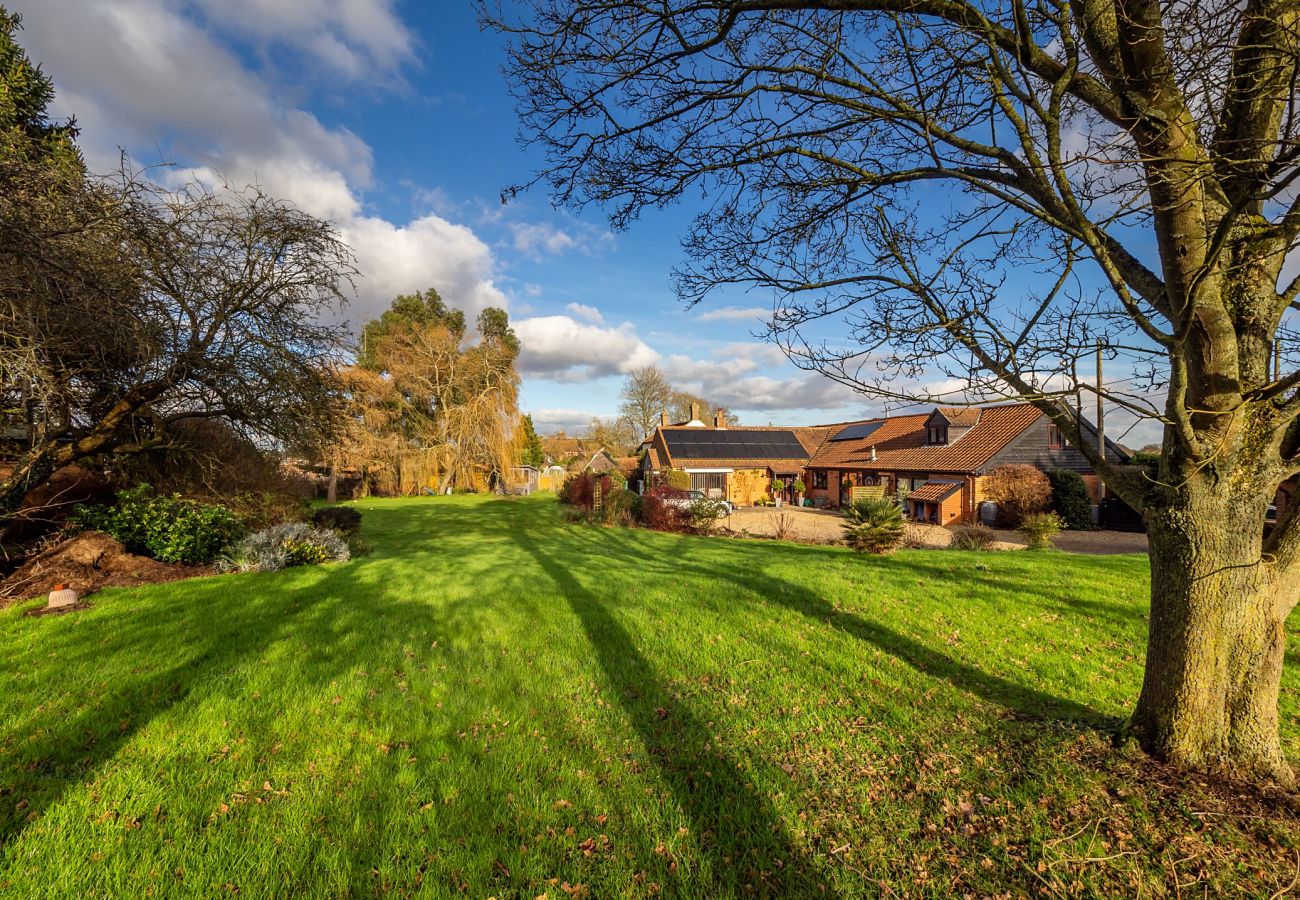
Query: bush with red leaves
x=661, y=515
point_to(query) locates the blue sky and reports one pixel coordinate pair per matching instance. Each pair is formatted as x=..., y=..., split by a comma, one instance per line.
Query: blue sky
x=392, y=120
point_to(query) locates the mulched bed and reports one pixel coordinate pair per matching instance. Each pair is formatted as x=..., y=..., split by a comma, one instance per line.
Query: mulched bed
x=88, y=562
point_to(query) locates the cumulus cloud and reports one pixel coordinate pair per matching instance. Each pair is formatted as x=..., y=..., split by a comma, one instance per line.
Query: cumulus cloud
x=734, y=314
x=146, y=74
x=560, y=348
x=571, y=421
x=354, y=38
x=583, y=311
x=537, y=239
x=739, y=383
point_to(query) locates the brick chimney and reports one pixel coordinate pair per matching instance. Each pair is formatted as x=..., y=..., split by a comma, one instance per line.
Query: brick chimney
x=719, y=418
x=663, y=417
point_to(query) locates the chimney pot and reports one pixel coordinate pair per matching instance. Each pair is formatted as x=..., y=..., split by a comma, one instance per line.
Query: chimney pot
x=695, y=411
x=718, y=420
x=663, y=417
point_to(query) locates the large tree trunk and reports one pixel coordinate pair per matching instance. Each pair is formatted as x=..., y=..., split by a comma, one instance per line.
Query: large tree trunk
x=31, y=471
x=1217, y=636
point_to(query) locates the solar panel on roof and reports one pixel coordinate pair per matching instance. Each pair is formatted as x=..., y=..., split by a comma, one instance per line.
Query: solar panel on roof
x=721, y=444
x=857, y=432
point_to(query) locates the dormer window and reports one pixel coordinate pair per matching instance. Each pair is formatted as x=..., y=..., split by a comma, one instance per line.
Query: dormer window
x=938, y=434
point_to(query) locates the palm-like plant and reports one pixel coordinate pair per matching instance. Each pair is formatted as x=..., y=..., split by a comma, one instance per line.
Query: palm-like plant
x=873, y=525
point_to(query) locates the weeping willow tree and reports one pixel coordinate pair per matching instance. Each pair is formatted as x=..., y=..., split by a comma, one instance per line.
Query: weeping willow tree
x=427, y=410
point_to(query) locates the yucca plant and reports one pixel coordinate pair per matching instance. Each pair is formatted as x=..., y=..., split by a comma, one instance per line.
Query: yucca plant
x=873, y=525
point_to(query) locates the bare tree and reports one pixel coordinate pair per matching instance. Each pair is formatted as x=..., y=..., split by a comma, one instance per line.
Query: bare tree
x=619, y=436
x=683, y=402
x=986, y=189
x=646, y=394
x=155, y=307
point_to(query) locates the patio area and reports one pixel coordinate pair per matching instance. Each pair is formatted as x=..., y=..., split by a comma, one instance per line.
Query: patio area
x=824, y=526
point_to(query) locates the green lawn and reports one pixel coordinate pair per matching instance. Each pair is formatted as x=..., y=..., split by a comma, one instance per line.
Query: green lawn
x=496, y=703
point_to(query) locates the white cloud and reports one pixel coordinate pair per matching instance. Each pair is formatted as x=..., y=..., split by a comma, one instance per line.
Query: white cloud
x=561, y=348
x=428, y=252
x=737, y=383
x=533, y=239
x=571, y=421
x=734, y=314
x=146, y=74
x=351, y=37
x=583, y=311
x=537, y=239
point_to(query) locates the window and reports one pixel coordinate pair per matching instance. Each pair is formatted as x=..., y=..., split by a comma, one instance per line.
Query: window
x=1055, y=439
x=819, y=480
x=712, y=484
x=938, y=434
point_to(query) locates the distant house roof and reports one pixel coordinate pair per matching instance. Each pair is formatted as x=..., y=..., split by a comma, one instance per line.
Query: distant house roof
x=900, y=442
x=601, y=462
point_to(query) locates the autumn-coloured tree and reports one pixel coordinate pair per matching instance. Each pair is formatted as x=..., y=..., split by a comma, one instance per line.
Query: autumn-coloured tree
x=1019, y=491
x=425, y=409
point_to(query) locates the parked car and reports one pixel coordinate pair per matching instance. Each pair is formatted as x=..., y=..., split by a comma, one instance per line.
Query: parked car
x=685, y=499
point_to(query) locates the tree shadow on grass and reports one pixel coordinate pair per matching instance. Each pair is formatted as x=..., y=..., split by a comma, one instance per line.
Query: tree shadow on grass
x=738, y=568
x=739, y=831
x=157, y=655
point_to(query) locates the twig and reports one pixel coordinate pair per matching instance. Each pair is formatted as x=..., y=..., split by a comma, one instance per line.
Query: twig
x=1287, y=889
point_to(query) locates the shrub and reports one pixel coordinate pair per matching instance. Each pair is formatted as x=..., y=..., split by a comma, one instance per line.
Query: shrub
x=579, y=489
x=873, y=525
x=799, y=486
x=261, y=509
x=1019, y=491
x=972, y=537
x=1070, y=499
x=677, y=480
x=1040, y=528
x=168, y=529
x=343, y=519
x=282, y=546
x=661, y=515
x=704, y=514
x=622, y=507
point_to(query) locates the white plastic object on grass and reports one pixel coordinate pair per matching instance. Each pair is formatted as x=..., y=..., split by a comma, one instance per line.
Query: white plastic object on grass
x=62, y=595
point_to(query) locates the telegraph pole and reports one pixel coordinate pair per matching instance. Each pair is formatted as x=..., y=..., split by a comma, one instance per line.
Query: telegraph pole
x=1101, y=408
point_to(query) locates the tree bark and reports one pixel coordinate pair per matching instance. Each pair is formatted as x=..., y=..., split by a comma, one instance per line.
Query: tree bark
x=1216, y=637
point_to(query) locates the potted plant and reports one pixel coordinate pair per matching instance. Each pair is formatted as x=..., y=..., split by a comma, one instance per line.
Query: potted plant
x=777, y=487
x=799, y=488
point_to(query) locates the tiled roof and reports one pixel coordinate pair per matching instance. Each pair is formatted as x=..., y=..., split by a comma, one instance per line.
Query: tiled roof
x=813, y=437
x=900, y=443
x=935, y=491
x=961, y=416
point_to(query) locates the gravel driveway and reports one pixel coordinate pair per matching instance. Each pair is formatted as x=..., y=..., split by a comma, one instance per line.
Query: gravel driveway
x=823, y=526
